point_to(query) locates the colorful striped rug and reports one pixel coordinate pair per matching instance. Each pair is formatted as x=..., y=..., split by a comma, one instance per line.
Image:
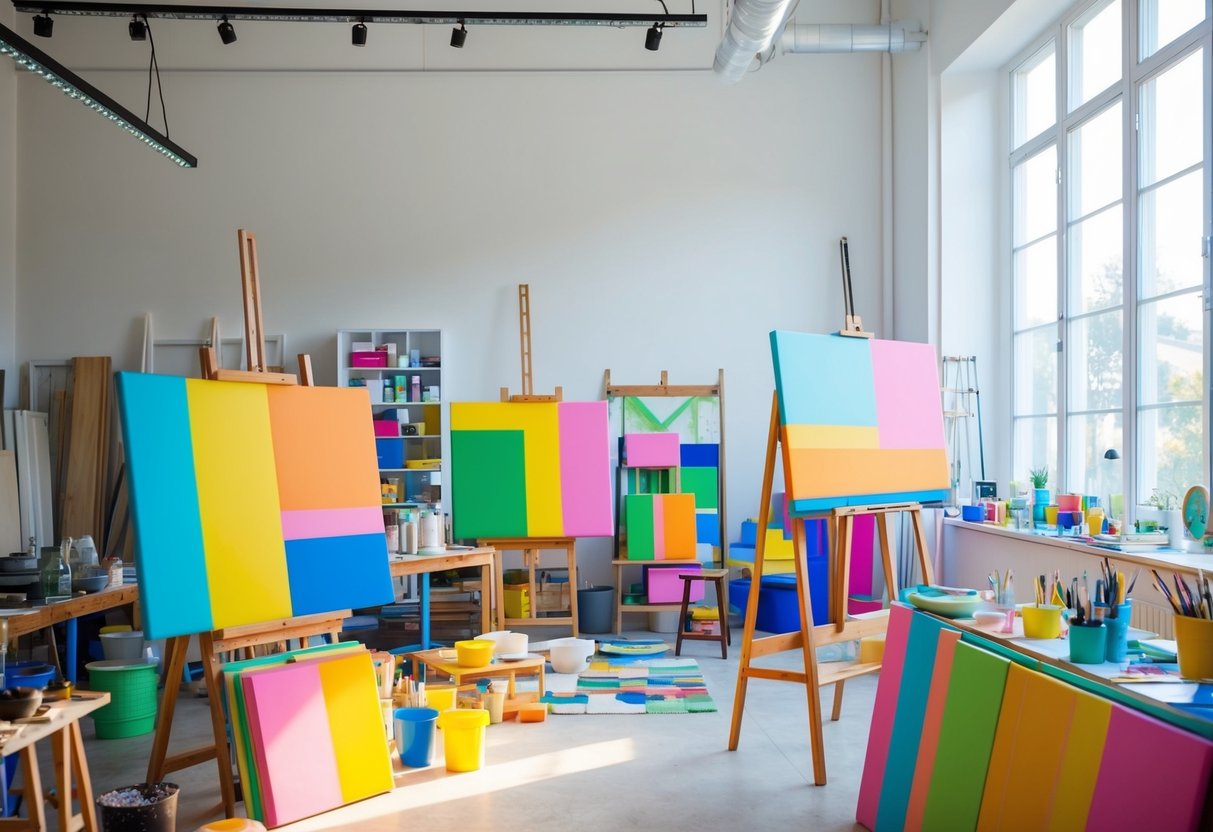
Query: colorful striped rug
x=615, y=685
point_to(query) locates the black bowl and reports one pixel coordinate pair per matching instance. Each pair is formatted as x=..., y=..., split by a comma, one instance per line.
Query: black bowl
x=24, y=702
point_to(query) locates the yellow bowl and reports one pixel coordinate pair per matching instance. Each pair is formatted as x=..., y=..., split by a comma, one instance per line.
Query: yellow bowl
x=474, y=653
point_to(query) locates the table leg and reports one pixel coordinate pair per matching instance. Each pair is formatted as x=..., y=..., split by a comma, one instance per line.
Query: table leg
x=33, y=788
x=70, y=672
x=61, y=756
x=84, y=784
x=542, y=689
x=509, y=687
x=486, y=592
x=423, y=581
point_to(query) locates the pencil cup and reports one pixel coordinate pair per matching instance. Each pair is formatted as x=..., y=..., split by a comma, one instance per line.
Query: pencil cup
x=1050, y=515
x=1087, y=643
x=1194, y=643
x=1118, y=631
x=1041, y=621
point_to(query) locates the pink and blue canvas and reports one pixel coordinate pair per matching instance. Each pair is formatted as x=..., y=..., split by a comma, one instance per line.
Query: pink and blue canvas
x=860, y=419
x=531, y=469
x=244, y=496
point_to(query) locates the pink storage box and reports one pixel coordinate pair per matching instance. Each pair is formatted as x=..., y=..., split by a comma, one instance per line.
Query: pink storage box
x=376, y=358
x=665, y=587
x=387, y=427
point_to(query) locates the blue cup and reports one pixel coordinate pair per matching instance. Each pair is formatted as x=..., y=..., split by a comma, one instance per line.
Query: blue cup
x=1087, y=643
x=1117, y=647
x=415, y=735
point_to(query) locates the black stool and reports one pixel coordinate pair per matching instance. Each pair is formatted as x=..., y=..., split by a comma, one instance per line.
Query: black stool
x=718, y=577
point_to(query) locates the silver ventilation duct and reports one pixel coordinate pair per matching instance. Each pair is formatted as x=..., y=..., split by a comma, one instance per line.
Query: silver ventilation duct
x=752, y=28
x=904, y=36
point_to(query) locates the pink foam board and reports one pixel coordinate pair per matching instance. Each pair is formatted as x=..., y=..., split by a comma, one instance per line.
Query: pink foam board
x=585, y=470
x=863, y=536
x=665, y=587
x=906, y=377
x=651, y=450
x=331, y=522
x=883, y=712
x=292, y=744
x=1146, y=765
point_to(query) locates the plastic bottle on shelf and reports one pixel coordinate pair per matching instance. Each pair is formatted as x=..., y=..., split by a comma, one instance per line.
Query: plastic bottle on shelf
x=114, y=565
x=415, y=395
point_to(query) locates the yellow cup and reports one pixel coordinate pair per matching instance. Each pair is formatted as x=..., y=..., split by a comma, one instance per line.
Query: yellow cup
x=1051, y=515
x=440, y=697
x=1042, y=621
x=1194, y=643
x=1095, y=520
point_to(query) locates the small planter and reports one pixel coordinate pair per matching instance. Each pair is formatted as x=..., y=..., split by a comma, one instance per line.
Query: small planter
x=146, y=807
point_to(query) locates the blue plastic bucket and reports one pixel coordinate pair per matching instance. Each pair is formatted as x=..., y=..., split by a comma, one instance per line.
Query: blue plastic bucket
x=415, y=735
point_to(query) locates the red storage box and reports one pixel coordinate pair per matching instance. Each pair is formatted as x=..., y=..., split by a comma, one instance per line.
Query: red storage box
x=387, y=427
x=377, y=358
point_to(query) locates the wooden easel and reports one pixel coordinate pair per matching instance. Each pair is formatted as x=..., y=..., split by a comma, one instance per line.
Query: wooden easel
x=809, y=637
x=524, y=340
x=215, y=644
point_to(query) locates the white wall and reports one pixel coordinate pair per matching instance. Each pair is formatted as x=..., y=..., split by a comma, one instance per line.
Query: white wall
x=663, y=221
x=8, y=221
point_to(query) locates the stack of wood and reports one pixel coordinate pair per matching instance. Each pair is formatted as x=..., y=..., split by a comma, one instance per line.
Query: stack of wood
x=84, y=444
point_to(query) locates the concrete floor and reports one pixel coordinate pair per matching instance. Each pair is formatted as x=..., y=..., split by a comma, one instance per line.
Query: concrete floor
x=621, y=772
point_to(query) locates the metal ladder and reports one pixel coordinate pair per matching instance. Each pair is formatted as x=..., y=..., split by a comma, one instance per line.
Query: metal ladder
x=961, y=404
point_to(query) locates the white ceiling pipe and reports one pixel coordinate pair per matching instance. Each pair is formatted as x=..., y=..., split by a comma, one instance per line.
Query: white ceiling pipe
x=752, y=27
x=904, y=36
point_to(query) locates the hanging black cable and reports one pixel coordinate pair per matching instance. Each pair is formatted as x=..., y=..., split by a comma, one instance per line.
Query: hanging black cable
x=154, y=64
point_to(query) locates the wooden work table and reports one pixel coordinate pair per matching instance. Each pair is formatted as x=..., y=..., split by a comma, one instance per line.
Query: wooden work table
x=28, y=619
x=452, y=558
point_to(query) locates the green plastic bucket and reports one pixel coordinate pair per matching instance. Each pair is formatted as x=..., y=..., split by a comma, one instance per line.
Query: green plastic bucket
x=132, y=688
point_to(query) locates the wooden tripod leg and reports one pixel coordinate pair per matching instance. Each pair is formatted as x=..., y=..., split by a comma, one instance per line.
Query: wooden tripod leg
x=842, y=569
x=920, y=540
x=214, y=691
x=809, y=649
x=837, y=711
x=174, y=667
x=84, y=784
x=32, y=788
x=751, y=607
x=886, y=548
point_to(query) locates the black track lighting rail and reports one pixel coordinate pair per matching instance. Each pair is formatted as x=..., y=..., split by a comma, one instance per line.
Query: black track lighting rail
x=293, y=15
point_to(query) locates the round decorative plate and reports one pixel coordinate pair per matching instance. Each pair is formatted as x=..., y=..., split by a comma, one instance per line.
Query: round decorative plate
x=1196, y=511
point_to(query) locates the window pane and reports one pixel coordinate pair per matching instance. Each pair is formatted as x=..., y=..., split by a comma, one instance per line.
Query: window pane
x=1095, y=46
x=1035, y=85
x=1172, y=342
x=1096, y=362
x=1035, y=196
x=1089, y=438
x=1036, y=446
x=1172, y=120
x=1036, y=372
x=1096, y=162
x=1036, y=284
x=1169, y=237
x=1170, y=449
x=1164, y=20
x=1096, y=262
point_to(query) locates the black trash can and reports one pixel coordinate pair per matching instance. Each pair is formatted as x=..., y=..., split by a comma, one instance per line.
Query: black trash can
x=146, y=807
x=595, y=609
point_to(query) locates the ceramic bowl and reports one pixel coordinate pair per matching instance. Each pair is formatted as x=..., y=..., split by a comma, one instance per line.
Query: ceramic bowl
x=24, y=702
x=571, y=655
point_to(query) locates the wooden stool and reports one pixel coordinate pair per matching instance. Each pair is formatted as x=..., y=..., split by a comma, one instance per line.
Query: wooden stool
x=718, y=577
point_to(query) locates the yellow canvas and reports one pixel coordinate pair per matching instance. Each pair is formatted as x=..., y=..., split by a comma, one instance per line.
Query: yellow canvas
x=356, y=725
x=833, y=436
x=1079, y=762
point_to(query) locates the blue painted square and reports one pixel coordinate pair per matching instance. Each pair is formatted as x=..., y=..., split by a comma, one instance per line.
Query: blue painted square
x=824, y=379
x=390, y=452
x=707, y=528
x=350, y=567
x=699, y=456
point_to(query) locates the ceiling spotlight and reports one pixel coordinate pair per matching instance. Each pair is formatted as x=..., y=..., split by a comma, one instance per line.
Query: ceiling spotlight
x=459, y=36
x=138, y=29
x=358, y=34
x=43, y=25
x=652, y=40
x=227, y=32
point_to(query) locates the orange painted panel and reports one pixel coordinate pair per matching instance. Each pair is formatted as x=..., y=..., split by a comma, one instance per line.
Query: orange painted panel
x=820, y=472
x=678, y=521
x=1080, y=762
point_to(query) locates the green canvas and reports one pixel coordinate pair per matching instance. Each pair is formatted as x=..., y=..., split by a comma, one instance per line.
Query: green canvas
x=966, y=737
x=489, y=473
x=639, y=511
x=702, y=482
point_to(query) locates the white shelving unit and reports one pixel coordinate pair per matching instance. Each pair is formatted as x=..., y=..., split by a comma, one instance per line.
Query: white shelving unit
x=419, y=485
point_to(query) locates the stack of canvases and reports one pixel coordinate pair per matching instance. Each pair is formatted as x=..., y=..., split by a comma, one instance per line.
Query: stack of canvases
x=308, y=731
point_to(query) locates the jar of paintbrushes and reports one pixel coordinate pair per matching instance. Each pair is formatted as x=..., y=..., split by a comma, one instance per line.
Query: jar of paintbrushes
x=1193, y=623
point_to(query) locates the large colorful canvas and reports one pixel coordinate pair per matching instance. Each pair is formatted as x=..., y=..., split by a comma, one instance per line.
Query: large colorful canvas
x=251, y=502
x=695, y=420
x=530, y=469
x=861, y=421
x=316, y=734
x=660, y=526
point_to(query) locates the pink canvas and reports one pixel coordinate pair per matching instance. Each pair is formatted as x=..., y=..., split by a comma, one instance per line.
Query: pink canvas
x=665, y=587
x=331, y=522
x=292, y=745
x=585, y=470
x=906, y=381
x=651, y=450
x=1132, y=789
x=883, y=711
x=863, y=536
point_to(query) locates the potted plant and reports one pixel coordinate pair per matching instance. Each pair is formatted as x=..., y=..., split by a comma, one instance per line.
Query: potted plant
x=1040, y=492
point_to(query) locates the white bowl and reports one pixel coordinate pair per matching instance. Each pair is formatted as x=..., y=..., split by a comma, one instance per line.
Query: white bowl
x=509, y=644
x=571, y=655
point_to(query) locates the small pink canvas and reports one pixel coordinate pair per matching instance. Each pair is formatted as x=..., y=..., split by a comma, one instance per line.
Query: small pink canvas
x=650, y=450
x=665, y=587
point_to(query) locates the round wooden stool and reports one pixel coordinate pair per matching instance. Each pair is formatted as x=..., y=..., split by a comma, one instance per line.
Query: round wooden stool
x=718, y=577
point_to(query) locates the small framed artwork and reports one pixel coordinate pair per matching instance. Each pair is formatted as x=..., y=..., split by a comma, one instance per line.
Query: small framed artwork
x=984, y=490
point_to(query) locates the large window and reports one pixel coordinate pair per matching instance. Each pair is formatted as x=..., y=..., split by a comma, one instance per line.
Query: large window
x=1110, y=225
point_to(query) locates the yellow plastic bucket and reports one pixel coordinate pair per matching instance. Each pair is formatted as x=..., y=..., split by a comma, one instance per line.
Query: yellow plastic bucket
x=1041, y=621
x=440, y=697
x=1194, y=643
x=463, y=738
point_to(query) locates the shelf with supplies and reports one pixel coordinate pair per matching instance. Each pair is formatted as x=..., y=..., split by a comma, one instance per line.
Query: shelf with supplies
x=402, y=371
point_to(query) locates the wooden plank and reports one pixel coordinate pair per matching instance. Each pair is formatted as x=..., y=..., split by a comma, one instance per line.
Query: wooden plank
x=260, y=378
x=88, y=443
x=10, y=506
